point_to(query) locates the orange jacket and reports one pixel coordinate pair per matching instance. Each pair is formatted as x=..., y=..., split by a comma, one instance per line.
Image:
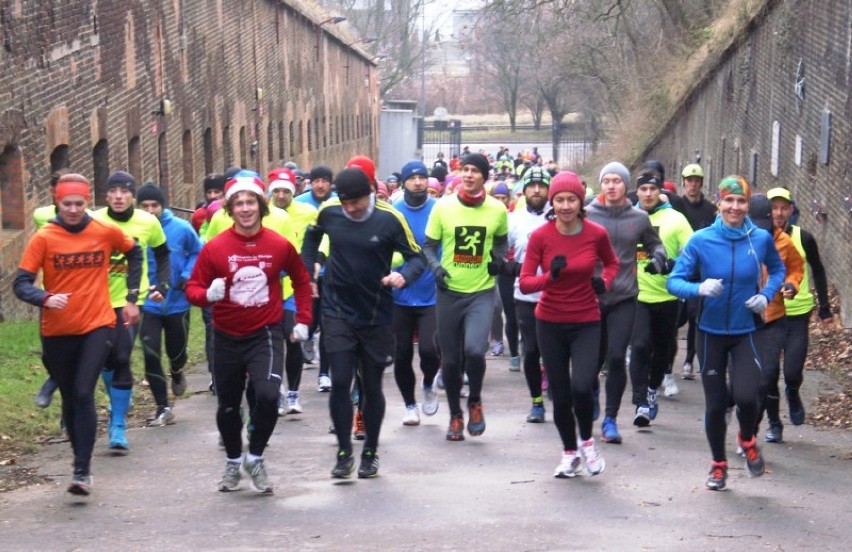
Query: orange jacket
x=795, y=265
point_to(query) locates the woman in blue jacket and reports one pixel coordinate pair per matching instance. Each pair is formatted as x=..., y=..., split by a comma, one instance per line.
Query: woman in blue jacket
x=171, y=317
x=728, y=260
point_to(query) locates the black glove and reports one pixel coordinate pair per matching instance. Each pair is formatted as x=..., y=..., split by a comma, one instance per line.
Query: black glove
x=556, y=266
x=512, y=268
x=181, y=284
x=441, y=275
x=598, y=285
x=668, y=266
x=496, y=266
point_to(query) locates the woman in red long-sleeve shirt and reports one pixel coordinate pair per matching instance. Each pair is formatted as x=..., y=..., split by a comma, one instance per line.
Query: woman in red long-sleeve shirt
x=560, y=262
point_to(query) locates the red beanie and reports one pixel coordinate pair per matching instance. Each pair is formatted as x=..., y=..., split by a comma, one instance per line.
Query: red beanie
x=566, y=181
x=365, y=164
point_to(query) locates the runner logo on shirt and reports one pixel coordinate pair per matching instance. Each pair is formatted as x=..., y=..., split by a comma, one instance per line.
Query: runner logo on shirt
x=469, y=246
x=84, y=259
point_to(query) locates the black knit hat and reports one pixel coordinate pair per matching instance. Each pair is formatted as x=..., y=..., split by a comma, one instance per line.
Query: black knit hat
x=352, y=184
x=214, y=182
x=480, y=162
x=321, y=171
x=121, y=179
x=151, y=192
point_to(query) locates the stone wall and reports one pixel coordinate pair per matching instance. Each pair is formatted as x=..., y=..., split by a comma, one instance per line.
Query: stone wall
x=776, y=109
x=170, y=90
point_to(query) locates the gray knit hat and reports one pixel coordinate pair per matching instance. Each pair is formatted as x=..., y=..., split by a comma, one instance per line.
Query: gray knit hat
x=614, y=167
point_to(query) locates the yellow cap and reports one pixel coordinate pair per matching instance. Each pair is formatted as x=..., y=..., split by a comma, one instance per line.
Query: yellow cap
x=783, y=193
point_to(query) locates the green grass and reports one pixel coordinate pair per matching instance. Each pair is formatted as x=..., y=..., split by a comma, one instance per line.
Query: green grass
x=23, y=426
x=506, y=136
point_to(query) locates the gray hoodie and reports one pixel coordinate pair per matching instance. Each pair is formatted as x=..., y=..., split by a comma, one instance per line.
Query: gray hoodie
x=628, y=228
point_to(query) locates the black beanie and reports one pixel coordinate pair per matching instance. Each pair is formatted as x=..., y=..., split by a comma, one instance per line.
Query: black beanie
x=480, y=162
x=231, y=172
x=760, y=212
x=150, y=191
x=214, y=182
x=439, y=172
x=352, y=184
x=121, y=179
x=657, y=166
x=321, y=171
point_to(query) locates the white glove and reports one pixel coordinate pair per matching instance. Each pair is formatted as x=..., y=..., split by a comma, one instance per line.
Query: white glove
x=216, y=291
x=300, y=333
x=710, y=287
x=757, y=303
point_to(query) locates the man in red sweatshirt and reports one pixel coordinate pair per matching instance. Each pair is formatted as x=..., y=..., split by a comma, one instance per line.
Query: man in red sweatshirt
x=239, y=272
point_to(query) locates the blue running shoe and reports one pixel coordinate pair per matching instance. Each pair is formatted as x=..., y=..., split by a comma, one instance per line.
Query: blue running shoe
x=609, y=429
x=652, y=403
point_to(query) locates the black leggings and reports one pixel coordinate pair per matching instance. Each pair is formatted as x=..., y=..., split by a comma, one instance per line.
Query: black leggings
x=569, y=354
x=795, y=349
x=616, y=328
x=653, y=336
x=74, y=363
x=260, y=356
x=176, y=328
x=118, y=359
x=293, y=360
x=525, y=312
x=405, y=321
x=367, y=349
x=713, y=354
x=506, y=289
x=770, y=342
x=316, y=324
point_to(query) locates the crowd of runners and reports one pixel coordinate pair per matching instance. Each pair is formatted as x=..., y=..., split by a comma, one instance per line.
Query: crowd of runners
x=313, y=266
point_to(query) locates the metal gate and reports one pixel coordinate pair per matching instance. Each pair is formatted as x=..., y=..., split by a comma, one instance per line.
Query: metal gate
x=573, y=145
x=439, y=137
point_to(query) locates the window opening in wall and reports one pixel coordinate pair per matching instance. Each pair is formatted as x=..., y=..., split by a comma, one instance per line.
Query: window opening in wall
x=163, y=164
x=227, y=154
x=243, y=148
x=301, y=137
x=825, y=138
x=12, y=188
x=270, y=138
x=752, y=170
x=208, y=151
x=188, y=160
x=134, y=156
x=60, y=158
x=776, y=145
x=798, y=153
x=310, y=137
x=100, y=163
x=281, y=140
x=292, y=140
x=324, y=133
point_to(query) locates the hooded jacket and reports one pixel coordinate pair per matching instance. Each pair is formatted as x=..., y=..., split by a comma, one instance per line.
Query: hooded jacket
x=184, y=246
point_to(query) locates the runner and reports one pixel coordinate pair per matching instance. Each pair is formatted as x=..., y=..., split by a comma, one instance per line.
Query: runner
x=727, y=257
x=414, y=306
x=357, y=314
x=560, y=262
x=628, y=227
x=147, y=231
x=77, y=320
x=169, y=317
x=470, y=230
x=239, y=273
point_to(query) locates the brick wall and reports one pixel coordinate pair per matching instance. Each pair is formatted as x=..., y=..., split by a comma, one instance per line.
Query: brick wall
x=83, y=78
x=750, y=101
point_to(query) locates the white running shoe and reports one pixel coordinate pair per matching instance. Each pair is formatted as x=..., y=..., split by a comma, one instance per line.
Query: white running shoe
x=670, y=386
x=293, y=405
x=570, y=465
x=593, y=459
x=412, y=416
x=688, y=371
x=282, y=403
x=430, y=401
x=324, y=384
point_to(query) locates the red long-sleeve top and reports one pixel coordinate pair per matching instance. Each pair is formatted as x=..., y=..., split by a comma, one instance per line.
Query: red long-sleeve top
x=570, y=298
x=252, y=267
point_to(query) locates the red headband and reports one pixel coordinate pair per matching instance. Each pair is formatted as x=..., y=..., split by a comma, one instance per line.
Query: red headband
x=72, y=188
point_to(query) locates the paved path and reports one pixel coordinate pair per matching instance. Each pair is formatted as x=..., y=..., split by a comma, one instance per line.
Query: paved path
x=495, y=492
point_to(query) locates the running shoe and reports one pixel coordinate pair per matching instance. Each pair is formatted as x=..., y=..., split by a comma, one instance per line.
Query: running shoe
x=369, y=466
x=439, y=380
x=497, y=348
x=594, y=461
x=754, y=460
x=570, y=465
x=670, y=386
x=797, y=409
x=456, y=429
x=775, y=433
x=308, y=354
x=163, y=417
x=293, y=405
x=231, y=478
x=688, y=371
x=653, y=406
x=81, y=484
x=178, y=383
x=360, y=430
x=515, y=364
x=642, y=418
x=45, y=395
x=345, y=465
x=282, y=403
x=718, y=476
x=430, y=401
x=609, y=430
x=323, y=384
x=476, y=421
x=211, y=387
x=536, y=415
x=257, y=471
x=412, y=416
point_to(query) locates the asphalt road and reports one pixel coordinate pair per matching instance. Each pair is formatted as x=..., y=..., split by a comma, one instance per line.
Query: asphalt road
x=494, y=492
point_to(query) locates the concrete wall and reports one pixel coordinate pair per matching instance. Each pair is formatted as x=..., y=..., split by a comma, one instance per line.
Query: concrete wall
x=398, y=140
x=84, y=78
x=754, y=115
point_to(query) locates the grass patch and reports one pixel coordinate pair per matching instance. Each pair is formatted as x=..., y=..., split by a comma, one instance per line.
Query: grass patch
x=23, y=426
x=505, y=136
